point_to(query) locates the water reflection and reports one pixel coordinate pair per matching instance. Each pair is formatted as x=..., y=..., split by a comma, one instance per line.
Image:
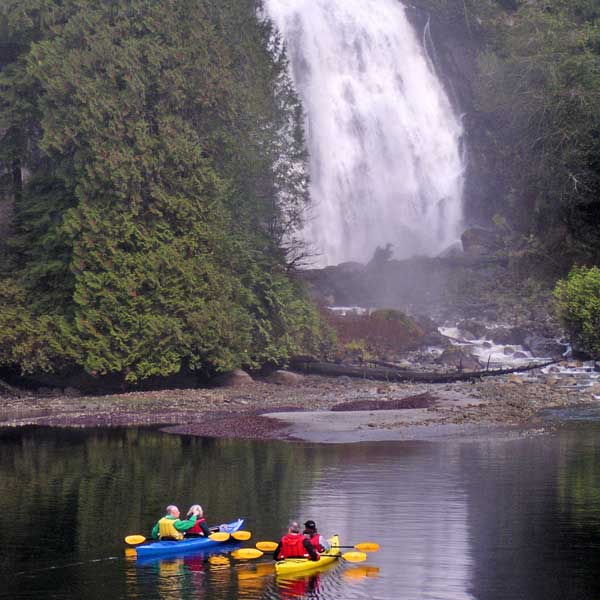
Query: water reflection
x=455, y=521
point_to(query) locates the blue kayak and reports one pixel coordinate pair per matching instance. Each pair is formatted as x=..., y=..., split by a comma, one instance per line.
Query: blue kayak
x=186, y=544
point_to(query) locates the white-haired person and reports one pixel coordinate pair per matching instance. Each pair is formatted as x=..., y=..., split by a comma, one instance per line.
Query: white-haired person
x=294, y=545
x=171, y=527
x=200, y=528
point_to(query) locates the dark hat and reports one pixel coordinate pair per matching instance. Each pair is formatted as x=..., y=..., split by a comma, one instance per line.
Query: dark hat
x=310, y=524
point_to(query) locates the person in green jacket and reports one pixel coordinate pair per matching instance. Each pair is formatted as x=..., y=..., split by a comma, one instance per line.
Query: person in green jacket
x=171, y=527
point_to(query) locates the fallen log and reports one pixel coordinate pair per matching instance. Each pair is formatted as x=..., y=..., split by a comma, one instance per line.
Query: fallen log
x=13, y=391
x=397, y=375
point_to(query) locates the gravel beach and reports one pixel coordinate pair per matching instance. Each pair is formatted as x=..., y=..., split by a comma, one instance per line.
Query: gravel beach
x=362, y=410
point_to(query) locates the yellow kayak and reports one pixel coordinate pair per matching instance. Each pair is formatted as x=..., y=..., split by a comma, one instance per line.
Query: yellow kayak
x=293, y=566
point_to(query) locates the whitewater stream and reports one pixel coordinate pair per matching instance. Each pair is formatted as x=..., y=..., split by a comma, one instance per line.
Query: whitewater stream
x=384, y=140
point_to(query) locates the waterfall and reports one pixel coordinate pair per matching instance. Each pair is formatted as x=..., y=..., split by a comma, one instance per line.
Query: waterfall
x=384, y=141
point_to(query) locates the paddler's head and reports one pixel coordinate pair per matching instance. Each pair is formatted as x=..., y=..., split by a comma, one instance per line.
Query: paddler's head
x=172, y=511
x=293, y=527
x=310, y=527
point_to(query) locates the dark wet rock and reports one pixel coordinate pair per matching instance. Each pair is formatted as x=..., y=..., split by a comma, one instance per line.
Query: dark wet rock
x=544, y=347
x=427, y=324
x=479, y=330
x=460, y=358
x=235, y=378
x=425, y=400
x=477, y=241
x=453, y=251
x=487, y=345
x=434, y=338
x=508, y=351
x=281, y=377
x=514, y=336
x=519, y=355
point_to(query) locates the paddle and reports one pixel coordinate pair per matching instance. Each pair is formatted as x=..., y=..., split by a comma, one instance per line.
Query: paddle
x=349, y=556
x=219, y=536
x=246, y=553
x=241, y=535
x=134, y=540
x=362, y=546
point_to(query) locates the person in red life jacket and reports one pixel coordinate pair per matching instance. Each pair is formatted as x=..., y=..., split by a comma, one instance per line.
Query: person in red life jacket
x=200, y=528
x=294, y=545
x=320, y=544
x=171, y=527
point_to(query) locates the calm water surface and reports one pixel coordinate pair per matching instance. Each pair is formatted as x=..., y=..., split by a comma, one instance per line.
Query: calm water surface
x=495, y=520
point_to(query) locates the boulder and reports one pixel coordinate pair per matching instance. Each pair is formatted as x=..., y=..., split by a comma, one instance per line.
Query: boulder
x=542, y=347
x=458, y=357
x=281, y=377
x=235, y=378
x=508, y=351
x=434, y=338
x=519, y=355
x=513, y=336
x=477, y=329
x=477, y=241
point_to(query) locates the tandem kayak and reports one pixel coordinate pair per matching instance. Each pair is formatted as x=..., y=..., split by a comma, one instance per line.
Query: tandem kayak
x=294, y=566
x=187, y=544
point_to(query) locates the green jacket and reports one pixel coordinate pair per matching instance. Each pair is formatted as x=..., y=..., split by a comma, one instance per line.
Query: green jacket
x=179, y=525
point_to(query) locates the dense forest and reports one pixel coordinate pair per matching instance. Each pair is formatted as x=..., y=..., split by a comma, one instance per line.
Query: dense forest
x=534, y=123
x=155, y=157
x=154, y=176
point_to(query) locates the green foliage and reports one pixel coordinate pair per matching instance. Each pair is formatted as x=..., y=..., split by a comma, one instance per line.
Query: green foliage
x=578, y=305
x=168, y=177
x=539, y=87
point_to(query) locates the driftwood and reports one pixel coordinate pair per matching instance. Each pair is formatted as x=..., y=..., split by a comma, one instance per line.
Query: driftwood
x=395, y=374
x=13, y=391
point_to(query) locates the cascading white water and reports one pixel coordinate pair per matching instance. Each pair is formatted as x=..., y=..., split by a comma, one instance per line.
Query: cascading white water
x=386, y=163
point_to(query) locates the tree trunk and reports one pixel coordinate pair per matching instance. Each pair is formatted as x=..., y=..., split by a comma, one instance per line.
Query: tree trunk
x=388, y=374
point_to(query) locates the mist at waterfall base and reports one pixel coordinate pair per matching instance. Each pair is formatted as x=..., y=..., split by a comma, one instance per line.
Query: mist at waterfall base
x=384, y=141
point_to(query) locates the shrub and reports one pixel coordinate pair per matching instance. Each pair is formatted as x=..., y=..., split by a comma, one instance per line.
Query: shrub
x=578, y=307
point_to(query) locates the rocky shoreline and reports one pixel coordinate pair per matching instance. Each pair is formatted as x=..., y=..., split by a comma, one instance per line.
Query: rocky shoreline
x=362, y=410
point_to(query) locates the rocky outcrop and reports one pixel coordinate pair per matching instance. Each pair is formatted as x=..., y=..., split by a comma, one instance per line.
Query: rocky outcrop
x=235, y=378
x=544, y=347
x=478, y=241
x=459, y=358
x=281, y=377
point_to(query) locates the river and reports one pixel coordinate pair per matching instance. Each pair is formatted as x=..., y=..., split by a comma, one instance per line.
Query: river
x=501, y=519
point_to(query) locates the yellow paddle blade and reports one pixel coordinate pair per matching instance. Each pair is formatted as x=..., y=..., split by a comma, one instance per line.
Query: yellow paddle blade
x=266, y=546
x=354, y=557
x=130, y=554
x=361, y=572
x=218, y=561
x=134, y=540
x=367, y=546
x=219, y=536
x=242, y=536
x=246, y=553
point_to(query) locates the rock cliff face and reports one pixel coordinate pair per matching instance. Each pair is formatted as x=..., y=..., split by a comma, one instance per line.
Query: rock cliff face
x=453, y=44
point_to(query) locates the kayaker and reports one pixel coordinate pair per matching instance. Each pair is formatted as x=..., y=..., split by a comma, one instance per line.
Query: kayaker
x=170, y=527
x=294, y=545
x=200, y=528
x=320, y=544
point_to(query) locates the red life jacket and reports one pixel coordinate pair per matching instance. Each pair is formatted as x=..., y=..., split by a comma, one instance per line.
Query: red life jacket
x=292, y=546
x=196, y=528
x=315, y=540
